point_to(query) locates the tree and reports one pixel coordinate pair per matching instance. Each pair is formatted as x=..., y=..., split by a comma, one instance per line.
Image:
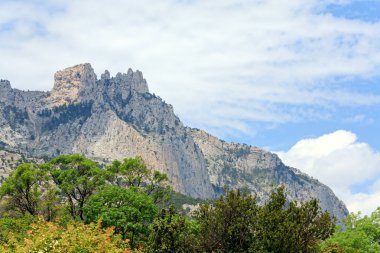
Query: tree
x=235, y=223
x=271, y=225
x=50, y=203
x=173, y=233
x=22, y=189
x=133, y=172
x=362, y=234
x=309, y=226
x=77, y=178
x=283, y=226
x=129, y=211
x=228, y=225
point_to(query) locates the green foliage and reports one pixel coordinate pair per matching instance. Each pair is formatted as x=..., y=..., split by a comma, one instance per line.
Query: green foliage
x=124, y=197
x=304, y=225
x=235, y=223
x=362, y=234
x=177, y=200
x=51, y=207
x=22, y=189
x=77, y=178
x=14, y=228
x=76, y=237
x=172, y=232
x=129, y=211
x=133, y=172
x=309, y=225
x=227, y=226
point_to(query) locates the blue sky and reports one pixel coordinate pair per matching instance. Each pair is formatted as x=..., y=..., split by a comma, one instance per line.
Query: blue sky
x=366, y=10
x=301, y=77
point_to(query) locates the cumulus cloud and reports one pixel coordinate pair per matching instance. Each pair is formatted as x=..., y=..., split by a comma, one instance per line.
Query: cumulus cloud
x=351, y=168
x=266, y=61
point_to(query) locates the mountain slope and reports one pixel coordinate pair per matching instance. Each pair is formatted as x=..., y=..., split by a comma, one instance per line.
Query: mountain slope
x=116, y=117
x=110, y=118
x=242, y=166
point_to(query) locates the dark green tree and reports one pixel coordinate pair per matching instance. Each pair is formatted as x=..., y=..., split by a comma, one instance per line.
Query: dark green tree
x=287, y=227
x=129, y=211
x=173, y=233
x=309, y=226
x=228, y=225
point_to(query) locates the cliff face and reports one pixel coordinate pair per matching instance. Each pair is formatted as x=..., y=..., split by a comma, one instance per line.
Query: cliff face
x=116, y=117
x=242, y=166
x=110, y=118
x=9, y=162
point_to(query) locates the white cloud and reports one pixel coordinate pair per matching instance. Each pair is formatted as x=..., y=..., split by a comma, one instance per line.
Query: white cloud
x=340, y=161
x=247, y=58
x=360, y=118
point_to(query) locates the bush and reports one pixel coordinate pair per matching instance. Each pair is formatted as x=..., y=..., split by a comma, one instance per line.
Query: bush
x=76, y=237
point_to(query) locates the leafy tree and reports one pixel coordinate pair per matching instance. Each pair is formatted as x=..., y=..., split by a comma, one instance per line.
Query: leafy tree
x=173, y=233
x=133, y=172
x=129, y=211
x=22, y=189
x=235, y=223
x=227, y=226
x=77, y=178
x=271, y=225
x=362, y=234
x=157, y=187
x=309, y=226
x=51, y=205
x=290, y=227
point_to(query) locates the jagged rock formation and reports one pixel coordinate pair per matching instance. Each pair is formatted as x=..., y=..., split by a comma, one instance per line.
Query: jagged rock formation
x=110, y=118
x=69, y=84
x=116, y=117
x=241, y=166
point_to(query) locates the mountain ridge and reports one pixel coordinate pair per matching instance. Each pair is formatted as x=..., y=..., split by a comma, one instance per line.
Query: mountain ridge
x=116, y=117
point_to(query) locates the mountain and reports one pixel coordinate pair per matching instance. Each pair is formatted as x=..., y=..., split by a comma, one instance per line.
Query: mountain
x=117, y=117
x=241, y=166
x=9, y=162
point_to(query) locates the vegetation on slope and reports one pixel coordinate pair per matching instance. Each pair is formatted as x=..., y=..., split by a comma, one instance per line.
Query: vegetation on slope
x=72, y=204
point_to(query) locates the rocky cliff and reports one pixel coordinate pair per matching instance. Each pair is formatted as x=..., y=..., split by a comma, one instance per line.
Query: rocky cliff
x=109, y=118
x=116, y=117
x=236, y=165
x=9, y=162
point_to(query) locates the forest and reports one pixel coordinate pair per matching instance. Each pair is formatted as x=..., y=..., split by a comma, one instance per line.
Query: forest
x=74, y=204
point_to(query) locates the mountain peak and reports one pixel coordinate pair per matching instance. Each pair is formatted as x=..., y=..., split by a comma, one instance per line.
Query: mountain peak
x=5, y=85
x=69, y=83
x=5, y=88
x=72, y=83
x=138, y=82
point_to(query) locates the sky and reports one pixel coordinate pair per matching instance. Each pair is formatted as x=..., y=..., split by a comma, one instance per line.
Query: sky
x=300, y=78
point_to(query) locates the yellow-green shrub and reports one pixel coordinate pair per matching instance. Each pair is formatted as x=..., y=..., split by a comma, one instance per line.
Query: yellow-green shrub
x=76, y=237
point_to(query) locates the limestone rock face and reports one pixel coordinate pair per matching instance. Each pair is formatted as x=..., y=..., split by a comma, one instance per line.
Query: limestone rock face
x=106, y=119
x=70, y=82
x=9, y=162
x=242, y=166
x=115, y=117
